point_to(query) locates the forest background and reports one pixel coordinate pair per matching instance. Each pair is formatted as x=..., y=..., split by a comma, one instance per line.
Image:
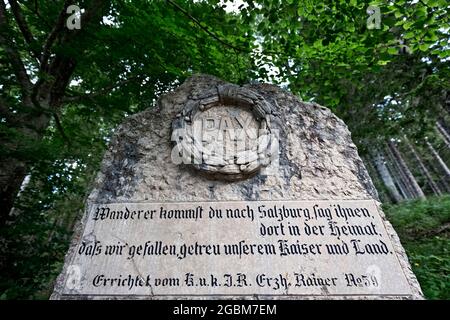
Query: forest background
x=69, y=75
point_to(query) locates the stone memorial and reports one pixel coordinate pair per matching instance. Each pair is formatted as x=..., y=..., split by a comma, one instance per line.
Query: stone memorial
x=223, y=191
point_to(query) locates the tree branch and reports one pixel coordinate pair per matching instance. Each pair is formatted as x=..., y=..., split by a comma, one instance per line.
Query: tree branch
x=91, y=15
x=35, y=10
x=58, y=27
x=13, y=54
x=61, y=129
x=60, y=69
x=45, y=55
x=27, y=35
x=104, y=91
x=198, y=23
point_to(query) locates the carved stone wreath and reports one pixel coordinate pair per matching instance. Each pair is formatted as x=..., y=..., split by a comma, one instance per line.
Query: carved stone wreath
x=233, y=105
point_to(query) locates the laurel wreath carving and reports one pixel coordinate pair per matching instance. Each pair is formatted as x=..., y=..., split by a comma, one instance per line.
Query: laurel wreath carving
x=245, y=162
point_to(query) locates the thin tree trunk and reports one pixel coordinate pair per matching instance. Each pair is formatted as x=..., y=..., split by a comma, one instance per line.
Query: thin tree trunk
x=442, y=181
x=445, y=135
x=417, y=191
x=423, y=168
x=399, y=178
x=438, y=158
x=387, y=177
x=385, y=197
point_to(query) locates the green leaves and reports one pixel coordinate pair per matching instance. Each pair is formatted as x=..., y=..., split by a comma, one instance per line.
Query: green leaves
x=423, y=47
x=417, y=223
x=322, y=49
x=332, y=52
x=407, y=25
x=436, y=3
x=392, y=50
x=121, y=70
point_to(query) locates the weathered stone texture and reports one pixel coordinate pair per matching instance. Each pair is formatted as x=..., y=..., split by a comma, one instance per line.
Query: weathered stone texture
x=318, y=160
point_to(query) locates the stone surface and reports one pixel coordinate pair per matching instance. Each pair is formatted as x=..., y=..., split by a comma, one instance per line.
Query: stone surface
x=316, y=160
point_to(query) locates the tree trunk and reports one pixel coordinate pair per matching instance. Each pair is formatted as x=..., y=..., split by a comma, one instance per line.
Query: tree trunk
x=445, y=135
x=11, y=177
x=399, y=178
x=438, y=173
x=424, y=169
x=384, y=194
x=13, y=169
x=411, y=181
x=41, y=99
x=438, y=158
x=387, y=177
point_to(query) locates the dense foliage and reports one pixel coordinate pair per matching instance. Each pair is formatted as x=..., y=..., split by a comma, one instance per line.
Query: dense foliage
x=424, y=230
x=62, y=92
